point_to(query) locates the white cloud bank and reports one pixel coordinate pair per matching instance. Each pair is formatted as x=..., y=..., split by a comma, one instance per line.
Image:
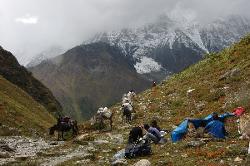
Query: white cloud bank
x=69, y=22
x=27, y=19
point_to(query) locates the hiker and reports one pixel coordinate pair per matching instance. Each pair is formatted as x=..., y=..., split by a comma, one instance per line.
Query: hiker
x=155, y=125
x=138, y=145
x=153, y=134
x=135, y=134
x=154, y=84
x=243, y=124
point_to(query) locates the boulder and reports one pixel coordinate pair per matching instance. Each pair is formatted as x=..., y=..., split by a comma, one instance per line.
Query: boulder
x=195, y=144
x=143, y=162
x=249, y=148
x=83, y=162
x=232, y=73
x=237, y=159
x=100, y=142
x=53, y=143
x=6, y=147
x=120, y=162
x=4, y=155
x=116, y=139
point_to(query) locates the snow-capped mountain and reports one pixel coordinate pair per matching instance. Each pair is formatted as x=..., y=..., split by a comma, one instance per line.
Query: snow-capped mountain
x=45, y=55
x=169, y=45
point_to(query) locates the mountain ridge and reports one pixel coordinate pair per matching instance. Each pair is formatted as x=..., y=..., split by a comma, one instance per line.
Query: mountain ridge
x=11, y=70
x=90, y=76
x=166, y=32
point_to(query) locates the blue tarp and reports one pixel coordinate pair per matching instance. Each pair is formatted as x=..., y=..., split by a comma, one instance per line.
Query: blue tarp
x=214, y=127
x=179, y=131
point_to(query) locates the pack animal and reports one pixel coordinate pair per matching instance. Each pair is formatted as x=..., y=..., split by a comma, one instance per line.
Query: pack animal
x=102, y=115
x=128, y=97
x=62, y=127
x=127, y=110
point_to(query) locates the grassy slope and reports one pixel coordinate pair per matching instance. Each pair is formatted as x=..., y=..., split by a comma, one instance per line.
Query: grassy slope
x=20, y=112
x=169, y=103
x=12, y=71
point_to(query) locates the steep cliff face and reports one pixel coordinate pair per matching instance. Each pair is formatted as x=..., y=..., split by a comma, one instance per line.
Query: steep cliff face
x=89, y=76
x=11, y=70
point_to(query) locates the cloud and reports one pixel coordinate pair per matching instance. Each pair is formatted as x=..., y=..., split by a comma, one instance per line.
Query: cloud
x=27, y=19
x=69, y=22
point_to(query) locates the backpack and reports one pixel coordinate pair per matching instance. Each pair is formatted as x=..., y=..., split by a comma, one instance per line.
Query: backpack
x=139, y=149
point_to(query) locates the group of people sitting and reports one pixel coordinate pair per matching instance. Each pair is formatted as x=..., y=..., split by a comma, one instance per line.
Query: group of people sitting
x=140, y=139
x=151, y=133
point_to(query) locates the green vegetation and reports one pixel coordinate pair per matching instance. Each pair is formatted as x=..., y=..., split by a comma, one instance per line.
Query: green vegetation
x=18, y=75
x=219, y=83
x=20, y=114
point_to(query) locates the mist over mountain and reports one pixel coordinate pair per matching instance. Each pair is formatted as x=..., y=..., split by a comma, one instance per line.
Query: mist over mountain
x=44, y=55
x=169, y=45
x=29, y=27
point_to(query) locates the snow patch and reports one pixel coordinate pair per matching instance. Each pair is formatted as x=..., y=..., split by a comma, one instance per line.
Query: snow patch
x=147, y=65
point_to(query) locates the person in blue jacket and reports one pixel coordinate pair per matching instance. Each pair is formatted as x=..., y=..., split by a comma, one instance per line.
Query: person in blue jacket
x=154, y=134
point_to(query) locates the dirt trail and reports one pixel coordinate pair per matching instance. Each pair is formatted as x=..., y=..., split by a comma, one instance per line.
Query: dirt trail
x=13, y=148
x=79, y=152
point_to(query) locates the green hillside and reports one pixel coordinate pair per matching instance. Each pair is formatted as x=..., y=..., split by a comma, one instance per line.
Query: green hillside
x=20, y=114
x=18, y=75
x=219, y=83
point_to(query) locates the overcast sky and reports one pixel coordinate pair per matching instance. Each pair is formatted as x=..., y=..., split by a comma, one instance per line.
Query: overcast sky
x=28, y=27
